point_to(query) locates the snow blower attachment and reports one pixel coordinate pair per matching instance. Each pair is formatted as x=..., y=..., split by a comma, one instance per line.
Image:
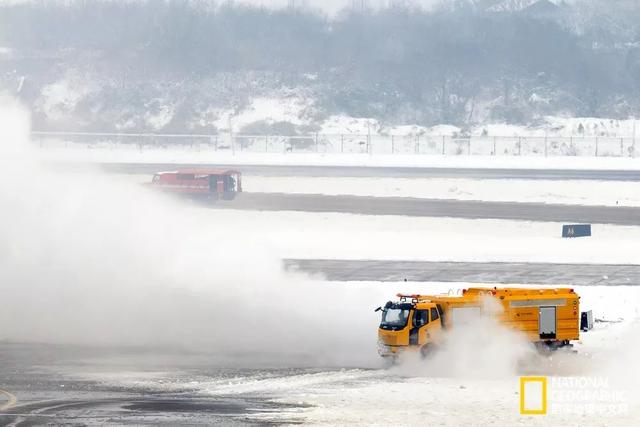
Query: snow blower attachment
x=550, y=318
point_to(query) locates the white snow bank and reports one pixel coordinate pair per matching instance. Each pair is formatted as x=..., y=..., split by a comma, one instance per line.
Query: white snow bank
x=501, y=129
x=597, y=193
x=59, y=99
x=346, y=236
x=591, y=126
x=292, y=110
x=6, y=52
x=296, y=108
x=338, y=124
x=129, y=154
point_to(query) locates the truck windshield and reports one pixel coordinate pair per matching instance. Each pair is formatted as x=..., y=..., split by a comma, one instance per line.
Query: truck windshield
x=394, y=317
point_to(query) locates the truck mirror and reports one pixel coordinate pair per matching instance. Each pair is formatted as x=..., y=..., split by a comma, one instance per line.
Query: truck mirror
x=378, y=309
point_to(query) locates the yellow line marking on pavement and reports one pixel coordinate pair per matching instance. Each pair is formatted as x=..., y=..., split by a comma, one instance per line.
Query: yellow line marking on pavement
x=11, y=400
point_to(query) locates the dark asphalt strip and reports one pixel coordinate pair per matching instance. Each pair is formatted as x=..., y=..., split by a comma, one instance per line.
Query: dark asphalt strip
x=379, y=172
x=435, y=208
x=472, y=272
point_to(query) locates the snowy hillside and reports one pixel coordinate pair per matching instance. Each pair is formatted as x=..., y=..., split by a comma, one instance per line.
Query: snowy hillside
x=289, y=112
x=509, y=61
x=517, y=5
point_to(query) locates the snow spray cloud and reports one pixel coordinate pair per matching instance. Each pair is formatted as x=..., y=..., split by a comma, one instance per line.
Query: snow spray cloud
x=89, y=258
x=476, y=347
x=617, y=363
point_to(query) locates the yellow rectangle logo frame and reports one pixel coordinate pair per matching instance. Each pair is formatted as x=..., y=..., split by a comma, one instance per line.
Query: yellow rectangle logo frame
x=543, y=410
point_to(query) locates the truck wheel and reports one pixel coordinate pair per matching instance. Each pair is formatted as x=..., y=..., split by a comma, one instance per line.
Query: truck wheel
x=427, y=350
x=389, y=362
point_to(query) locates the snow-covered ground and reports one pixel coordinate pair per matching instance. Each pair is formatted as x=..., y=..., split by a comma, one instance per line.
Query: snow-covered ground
x=291, y=110
x=60, y=99
x=122, y=266
x=568, y=192
x=131, y=154
x=347, y=236
x=603, y=193
x=481, y=389
x=413, y=395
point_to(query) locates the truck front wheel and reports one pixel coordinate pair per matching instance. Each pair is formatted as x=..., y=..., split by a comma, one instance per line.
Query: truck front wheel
x=427, y=350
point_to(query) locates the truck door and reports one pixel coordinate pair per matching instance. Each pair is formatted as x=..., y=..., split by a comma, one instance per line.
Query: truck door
x=436, y=323
x=420, y=319
x=547, y=322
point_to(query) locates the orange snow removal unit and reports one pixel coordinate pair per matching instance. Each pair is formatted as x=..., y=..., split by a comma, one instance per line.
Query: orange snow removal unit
x=550, y=318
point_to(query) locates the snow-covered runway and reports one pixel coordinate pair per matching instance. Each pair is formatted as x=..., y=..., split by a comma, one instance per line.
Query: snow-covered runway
x=474, y=272
x=214, y=330
x=133, y=386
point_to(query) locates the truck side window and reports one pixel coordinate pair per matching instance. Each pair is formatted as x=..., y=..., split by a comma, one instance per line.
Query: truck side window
x=434, y=314
x=421, y=318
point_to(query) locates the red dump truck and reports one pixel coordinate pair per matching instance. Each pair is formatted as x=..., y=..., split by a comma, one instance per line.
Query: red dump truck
x=207, y=183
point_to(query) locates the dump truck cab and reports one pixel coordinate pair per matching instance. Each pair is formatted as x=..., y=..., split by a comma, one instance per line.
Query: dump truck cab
x=547, y=317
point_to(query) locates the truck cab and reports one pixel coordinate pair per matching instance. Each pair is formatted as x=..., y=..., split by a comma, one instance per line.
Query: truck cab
x=409, y=323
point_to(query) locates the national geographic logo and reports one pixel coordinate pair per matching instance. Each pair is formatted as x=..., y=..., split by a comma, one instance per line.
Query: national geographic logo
x=571, y=395
x=533, y=395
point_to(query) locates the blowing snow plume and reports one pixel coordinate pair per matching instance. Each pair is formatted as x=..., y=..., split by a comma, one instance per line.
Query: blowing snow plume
x=86, y=258
x=478, y=346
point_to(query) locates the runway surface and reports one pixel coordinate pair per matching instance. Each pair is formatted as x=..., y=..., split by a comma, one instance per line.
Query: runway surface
x=492, y=272
x=394, y=172
x=434, y=208
x=407, y=206
x=49, y=384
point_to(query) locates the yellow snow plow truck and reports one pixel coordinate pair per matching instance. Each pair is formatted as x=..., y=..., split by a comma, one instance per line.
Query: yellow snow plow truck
x=547, y=317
